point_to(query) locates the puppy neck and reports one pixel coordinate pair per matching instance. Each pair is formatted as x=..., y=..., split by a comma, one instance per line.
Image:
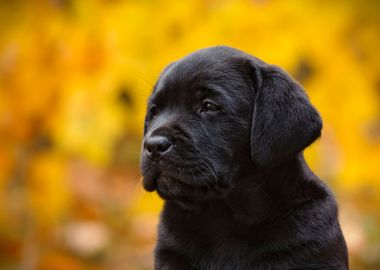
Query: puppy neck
x=263, y=195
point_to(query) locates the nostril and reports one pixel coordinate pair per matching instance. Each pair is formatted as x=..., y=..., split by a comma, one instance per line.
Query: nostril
x=148, y=146
x=164, y=145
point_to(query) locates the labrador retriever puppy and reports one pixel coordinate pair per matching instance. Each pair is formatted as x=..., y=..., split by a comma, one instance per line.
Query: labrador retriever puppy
x=223, y=141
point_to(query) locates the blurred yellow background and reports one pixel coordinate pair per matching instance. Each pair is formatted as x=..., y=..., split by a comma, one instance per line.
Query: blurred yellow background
x=74, y=80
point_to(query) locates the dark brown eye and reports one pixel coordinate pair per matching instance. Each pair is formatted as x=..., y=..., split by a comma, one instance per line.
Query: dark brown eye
x=209, y=107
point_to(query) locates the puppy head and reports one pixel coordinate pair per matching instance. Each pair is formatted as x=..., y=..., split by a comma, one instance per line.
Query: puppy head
x=216, y=112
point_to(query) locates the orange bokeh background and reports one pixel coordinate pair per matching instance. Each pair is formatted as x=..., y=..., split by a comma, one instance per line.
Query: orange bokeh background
x=74, y=80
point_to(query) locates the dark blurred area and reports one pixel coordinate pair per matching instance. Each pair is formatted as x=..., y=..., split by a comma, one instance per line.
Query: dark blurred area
x=74, y=80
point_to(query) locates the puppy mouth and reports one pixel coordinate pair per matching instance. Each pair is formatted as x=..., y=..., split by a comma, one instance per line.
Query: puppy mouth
x=167, y=187
x=155, y=177
x=173, y=182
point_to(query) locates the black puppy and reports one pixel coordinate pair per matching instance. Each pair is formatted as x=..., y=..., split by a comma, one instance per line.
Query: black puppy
x=223, y=143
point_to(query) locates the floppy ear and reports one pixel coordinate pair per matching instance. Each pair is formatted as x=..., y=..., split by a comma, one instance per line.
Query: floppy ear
x=284, y=122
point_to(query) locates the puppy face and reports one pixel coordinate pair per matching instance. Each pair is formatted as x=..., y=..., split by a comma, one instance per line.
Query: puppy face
x=216, y=112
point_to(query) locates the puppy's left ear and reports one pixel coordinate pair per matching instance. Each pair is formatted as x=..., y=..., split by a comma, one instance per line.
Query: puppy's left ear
x=284, y=122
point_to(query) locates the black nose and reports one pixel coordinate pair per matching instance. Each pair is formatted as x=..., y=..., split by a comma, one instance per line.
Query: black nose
x=157, y=146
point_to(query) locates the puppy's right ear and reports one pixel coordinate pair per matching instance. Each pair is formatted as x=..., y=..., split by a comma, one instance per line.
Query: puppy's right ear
x=284, y=122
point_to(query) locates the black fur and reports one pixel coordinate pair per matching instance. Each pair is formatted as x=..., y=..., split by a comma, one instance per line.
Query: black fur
x=223, y=143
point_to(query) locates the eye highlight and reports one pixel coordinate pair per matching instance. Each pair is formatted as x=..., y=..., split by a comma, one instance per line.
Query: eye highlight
x=208, y=106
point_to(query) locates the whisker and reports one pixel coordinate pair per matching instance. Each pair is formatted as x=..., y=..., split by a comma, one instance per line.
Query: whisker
x=212, y=181
x=145, y=80
x=206, y=172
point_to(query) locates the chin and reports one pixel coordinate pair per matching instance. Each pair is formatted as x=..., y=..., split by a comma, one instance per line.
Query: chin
x=171, y=189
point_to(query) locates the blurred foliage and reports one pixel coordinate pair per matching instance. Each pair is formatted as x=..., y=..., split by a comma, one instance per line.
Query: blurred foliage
x=74, y=79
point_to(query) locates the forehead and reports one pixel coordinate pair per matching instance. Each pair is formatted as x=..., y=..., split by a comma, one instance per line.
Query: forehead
x=197, y=74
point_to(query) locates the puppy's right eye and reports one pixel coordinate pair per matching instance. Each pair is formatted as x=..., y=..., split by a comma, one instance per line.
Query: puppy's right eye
x=153, y=111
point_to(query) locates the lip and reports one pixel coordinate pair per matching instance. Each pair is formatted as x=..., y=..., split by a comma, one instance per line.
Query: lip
x=150, y=184
x=150, y=181
x=163, y=186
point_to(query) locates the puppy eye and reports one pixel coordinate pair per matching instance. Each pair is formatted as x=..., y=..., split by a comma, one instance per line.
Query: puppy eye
x=209, y=107
x=153, y=111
